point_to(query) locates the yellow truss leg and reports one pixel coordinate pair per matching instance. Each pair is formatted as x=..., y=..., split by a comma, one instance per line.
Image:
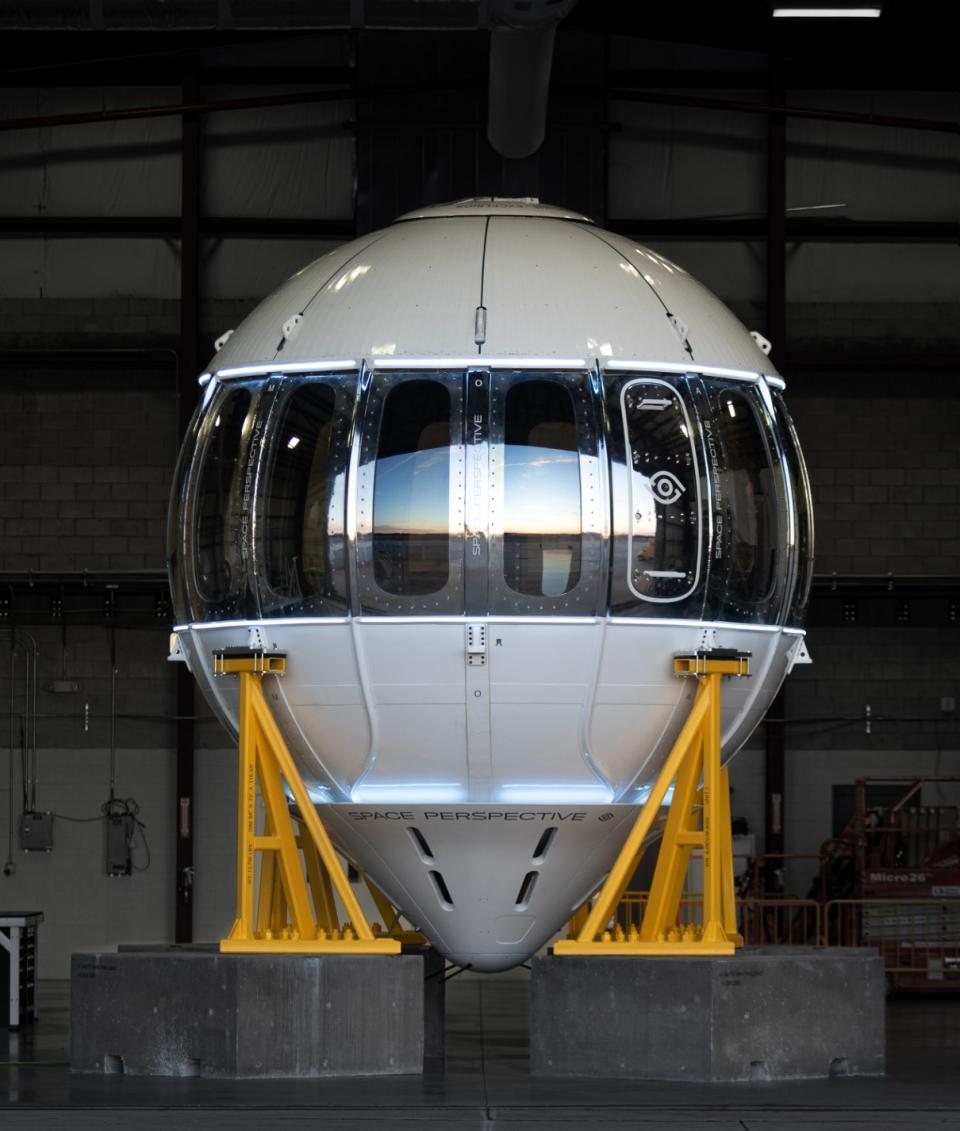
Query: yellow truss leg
x=391, y=916
x=297, y=858
x=324, y=901
x=699, y=818
x=577, y=919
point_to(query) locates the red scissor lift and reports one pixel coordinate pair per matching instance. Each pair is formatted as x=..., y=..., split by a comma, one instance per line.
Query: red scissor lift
x=892, y=880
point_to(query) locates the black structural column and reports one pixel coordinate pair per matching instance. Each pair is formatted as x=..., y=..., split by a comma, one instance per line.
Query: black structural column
x=190, y=157
x=777, y=225
x=776, y=330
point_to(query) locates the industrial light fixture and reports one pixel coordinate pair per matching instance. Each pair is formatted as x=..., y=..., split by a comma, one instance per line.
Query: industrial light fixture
x=847, y=12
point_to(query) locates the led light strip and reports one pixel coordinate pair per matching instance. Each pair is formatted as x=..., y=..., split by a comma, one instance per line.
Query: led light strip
x=478, y=363
x=291, y=367
x=649, y=622
x=826, y=13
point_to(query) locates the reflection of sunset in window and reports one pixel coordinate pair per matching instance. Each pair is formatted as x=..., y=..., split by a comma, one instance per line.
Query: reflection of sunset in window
x=543, y=491
x=411, y=493
x=541, y=539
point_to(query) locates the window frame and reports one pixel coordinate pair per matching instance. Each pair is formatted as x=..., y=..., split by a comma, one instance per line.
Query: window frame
x=344, y=385
x=588, y=596
x=240, y=602
x=704, y=521
x=371, y=599
x=801, y=497
x=769, y=609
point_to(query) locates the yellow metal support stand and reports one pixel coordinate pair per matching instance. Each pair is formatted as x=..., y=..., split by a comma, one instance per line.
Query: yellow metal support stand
x=699, y=817
x=292, y=910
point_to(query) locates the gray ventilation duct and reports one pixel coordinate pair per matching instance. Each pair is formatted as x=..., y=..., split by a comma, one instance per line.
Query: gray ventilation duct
x=520, y=63
x=521, y=57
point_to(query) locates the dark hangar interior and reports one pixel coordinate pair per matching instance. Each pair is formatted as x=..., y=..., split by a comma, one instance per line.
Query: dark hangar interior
x=165, y=164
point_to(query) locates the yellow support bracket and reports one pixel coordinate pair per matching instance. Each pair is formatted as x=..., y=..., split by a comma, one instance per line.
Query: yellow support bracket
x=293, y=909
x=699, y=817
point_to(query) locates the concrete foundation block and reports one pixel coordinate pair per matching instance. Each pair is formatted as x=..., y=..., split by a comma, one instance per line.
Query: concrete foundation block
x=202, y=1013
x=766, y=1013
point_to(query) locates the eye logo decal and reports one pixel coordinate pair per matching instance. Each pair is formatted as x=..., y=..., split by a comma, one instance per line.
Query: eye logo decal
x=667, y=488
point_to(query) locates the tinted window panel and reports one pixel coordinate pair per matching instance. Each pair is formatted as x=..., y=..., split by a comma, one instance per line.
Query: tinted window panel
x=411, y=497
x=541, y=522
x=219, y=554
x=179, y=532
x=664, y=532
x=302, y=539
x=803, y=502
x=748, y=557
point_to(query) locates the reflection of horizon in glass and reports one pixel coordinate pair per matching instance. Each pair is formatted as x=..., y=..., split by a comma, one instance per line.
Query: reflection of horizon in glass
x=541, y=490
x=411, y=493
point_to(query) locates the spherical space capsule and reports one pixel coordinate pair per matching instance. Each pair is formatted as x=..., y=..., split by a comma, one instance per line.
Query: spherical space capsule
x=481, y=475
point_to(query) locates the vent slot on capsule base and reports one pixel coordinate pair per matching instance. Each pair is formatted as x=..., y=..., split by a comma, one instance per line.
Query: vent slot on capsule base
x=423, y=849
x=526, y=890
x=543, y=845
x=443, y=892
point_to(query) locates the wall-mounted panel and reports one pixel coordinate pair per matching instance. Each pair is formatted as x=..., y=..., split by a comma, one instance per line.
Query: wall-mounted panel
x=110, y=169
x=682, y=163
x=278, y=161
x=876, y=173
x=89, y=268
x=874, y=272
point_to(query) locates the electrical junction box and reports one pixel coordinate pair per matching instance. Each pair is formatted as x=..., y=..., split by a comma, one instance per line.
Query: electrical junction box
x=36, y=832
x=120, y=831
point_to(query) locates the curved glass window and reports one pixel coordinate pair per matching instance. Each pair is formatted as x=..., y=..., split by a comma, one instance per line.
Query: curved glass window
x=178, y=536
x=541, y=508
x=748, y=559
x=663, y=535
x=222, y=504
x=411, y=491
x=803, y=503
x=300, y=520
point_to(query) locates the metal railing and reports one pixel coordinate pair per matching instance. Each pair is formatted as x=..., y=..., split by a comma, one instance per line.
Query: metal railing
x=914, y=936
x=918, y=939
x=762, y=921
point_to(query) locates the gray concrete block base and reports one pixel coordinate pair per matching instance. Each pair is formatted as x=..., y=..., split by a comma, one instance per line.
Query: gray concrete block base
x=202, y=1013
x=766, y=1013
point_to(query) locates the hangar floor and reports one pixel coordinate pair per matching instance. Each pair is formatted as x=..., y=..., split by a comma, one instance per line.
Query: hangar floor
x=485, y=1084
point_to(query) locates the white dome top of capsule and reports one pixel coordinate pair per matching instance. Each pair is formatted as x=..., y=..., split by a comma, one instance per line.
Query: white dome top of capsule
x=493, y=278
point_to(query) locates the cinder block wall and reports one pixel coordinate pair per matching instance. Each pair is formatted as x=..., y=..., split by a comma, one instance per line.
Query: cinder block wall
x=885, y=471
x=86, y=464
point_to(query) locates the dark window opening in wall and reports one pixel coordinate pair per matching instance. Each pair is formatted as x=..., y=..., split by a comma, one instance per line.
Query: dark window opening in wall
x=542, y=513
x=411, y=494
x=219, y=555
x=664, y=531
x=298, y=545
